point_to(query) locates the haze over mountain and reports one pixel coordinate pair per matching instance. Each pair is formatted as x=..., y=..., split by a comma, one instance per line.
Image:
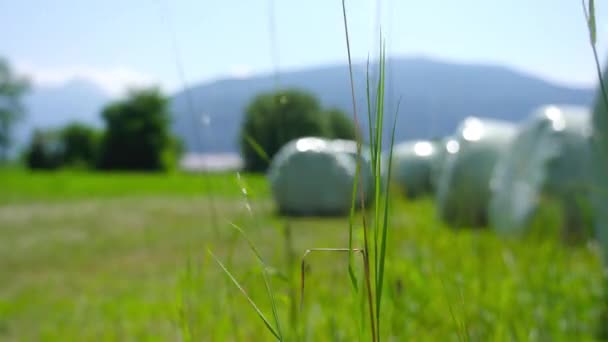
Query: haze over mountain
x=435, y=97
x=54, y=106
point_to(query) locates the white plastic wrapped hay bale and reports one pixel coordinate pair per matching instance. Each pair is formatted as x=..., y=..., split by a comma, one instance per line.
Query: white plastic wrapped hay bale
x=547, y=164
x=441, y=155
x=463, y=188
x=349, y=147
x=599, y=161
x=412, y=166
x=314, y=176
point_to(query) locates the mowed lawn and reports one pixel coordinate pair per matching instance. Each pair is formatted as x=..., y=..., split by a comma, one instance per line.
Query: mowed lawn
x=125, y=257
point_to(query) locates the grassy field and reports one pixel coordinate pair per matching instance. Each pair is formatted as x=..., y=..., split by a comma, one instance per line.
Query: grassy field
x=125, y=257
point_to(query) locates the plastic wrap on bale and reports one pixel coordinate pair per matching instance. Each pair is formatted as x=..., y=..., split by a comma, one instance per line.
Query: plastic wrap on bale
x=312, y=176
x=547, y=164
x=599, y=160
x=441, y=154
x=412, y=166
x=463, y=188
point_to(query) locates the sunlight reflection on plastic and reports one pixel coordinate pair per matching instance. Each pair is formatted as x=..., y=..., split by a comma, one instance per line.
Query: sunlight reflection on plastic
x=423, y=148
x=310, y=144
x=346, y=146
x=473, y=130
x=452, y=146
x=555, y=115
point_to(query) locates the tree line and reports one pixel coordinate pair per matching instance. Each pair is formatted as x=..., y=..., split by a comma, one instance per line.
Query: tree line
x=136, y=136
x=137, y=130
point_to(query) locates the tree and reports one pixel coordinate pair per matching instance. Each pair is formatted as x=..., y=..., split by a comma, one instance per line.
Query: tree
x=12, y=88
x=137, y=133
x=75, y=145
x=45, y=151
x=340, y=125
x=273, y=119
x=80, y=145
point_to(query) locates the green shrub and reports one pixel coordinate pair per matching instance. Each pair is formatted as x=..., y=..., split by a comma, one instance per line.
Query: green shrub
x=339, y=125
x=45, y=151
x=75, y=145
x=273, y=119
x=80, y=145
x=137, y=133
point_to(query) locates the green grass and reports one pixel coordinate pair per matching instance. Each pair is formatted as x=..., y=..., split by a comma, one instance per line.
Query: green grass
x=19, y=186
x=132, y=264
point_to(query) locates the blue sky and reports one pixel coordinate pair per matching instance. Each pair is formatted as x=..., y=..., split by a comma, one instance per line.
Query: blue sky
x=119, y=42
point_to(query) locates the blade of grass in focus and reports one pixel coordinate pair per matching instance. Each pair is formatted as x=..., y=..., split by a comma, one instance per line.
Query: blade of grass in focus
x=251, y=302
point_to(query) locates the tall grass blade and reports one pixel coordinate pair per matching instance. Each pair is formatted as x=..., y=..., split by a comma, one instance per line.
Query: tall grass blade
x=591, y=26
x=251, y=302
x=377, y=172
x=351, y=222
x=250, y=243
x=385, y=221
x=451, y=311
x=290, y=261
x=358, y=175
x=265, y=267
x=365, y=228
x=264, y=276
x=167, y=18
x=370, y=296
x=257, y=148
x=369, y=116
x=465, y=325
x=350, y=69
x=377, y=176
x=275, y=312
x=591, y=22
x=303, y=265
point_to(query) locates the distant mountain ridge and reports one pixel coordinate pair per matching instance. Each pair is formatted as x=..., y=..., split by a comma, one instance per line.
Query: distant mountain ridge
x=54, y=106
x=435, y=96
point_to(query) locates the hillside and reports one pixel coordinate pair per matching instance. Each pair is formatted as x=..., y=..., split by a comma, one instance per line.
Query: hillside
x=435, y=96
x=53, y=106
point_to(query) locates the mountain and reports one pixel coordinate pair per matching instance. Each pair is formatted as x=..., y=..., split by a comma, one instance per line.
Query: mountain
x=54, y=106
x=435, y=97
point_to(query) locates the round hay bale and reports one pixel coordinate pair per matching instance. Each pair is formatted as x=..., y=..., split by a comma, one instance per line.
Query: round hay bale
x=547, y=163
x=439, y=161
x=349, y=147
x=412, y=165
x=463, y=188
x=599, y=161
x=314, y=176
